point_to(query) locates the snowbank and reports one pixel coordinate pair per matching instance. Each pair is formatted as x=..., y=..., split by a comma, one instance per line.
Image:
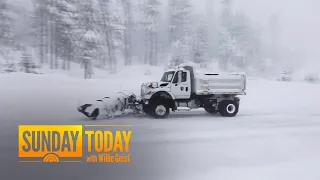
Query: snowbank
x=308, y=75
x=134, y=72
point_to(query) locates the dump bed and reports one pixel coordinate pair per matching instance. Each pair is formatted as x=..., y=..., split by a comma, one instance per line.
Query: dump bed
x=232, y=83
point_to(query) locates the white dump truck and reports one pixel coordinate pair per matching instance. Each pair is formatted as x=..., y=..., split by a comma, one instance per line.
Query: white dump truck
x=183, y=88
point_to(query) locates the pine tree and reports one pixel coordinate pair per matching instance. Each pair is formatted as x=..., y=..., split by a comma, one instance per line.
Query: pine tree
x=104, y=19
x=227, y=43
x=243, y=34
x=128, y=28
x=180, y=18
x=66, y=24
x=201, y=43
x=212, y=28
x=116, y=33
x=40, y=28
x=151, y=28
x=52, y=31
x=6, y=27
x=9, y=37
x=89, y=37
x=27, y=64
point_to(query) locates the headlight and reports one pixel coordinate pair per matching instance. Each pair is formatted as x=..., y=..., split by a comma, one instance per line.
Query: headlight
x=153, y=85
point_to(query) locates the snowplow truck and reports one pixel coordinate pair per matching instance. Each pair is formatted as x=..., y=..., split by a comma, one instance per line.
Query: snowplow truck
x=179, y=89
x=183, y=88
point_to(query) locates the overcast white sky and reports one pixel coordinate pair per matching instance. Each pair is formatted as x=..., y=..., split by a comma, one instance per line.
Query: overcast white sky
x=299, y=21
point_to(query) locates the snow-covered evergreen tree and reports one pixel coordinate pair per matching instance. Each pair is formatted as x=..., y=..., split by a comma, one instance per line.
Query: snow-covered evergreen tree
x=108, y=57
x=238, y=48
x=227, y=43
x=52, y=42
x=89, y=38
x=14, y=33
x=116, y=27
x=211, y=21
x=27, y=63
x=151, y=28
x=7, y=36
x=180, y=18
x=114, y=33
x=6, y=25
x=201, y=45
x=40, y=28
x=128, y=28
x=67, y=18
x=244, y=36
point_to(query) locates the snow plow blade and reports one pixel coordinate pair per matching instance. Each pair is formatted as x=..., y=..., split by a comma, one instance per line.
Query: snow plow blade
x=111, y=107
x=93, y=115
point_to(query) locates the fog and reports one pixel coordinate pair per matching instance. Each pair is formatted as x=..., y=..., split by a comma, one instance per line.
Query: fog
x=299, y=24
x=285, y=32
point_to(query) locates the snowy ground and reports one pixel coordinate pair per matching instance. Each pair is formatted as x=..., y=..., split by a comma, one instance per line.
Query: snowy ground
x=275, y=135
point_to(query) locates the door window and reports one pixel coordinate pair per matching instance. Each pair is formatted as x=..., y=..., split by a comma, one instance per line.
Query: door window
x=184, y=76
x=175, y=79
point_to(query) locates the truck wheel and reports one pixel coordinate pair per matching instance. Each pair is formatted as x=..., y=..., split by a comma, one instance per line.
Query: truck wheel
x=147, y=110
x=228, y=108
x=160, y=110
x=149, y=113
x=210, y=110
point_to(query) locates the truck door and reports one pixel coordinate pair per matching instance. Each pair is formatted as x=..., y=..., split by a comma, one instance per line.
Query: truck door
x=181, y=85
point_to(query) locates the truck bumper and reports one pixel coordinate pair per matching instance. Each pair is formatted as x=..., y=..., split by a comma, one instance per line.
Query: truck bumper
x=145, y=101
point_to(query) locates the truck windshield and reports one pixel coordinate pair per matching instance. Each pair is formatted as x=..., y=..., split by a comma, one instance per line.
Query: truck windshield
x=167, y=76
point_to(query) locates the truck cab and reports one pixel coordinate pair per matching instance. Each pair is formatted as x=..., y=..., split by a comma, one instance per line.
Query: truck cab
x=179, y=82
x=174, y=82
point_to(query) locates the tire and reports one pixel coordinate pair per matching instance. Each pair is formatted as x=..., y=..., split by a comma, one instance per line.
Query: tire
x=147, y=110
x=160, y=110
x=149, y=113
x=228, y=108
x=210, y=109
x=208, y=106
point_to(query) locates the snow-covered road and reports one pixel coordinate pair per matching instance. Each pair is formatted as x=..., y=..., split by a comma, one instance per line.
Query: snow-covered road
x=276, y=134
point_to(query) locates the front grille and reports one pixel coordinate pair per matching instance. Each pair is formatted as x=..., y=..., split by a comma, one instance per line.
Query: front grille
x=143, y=90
